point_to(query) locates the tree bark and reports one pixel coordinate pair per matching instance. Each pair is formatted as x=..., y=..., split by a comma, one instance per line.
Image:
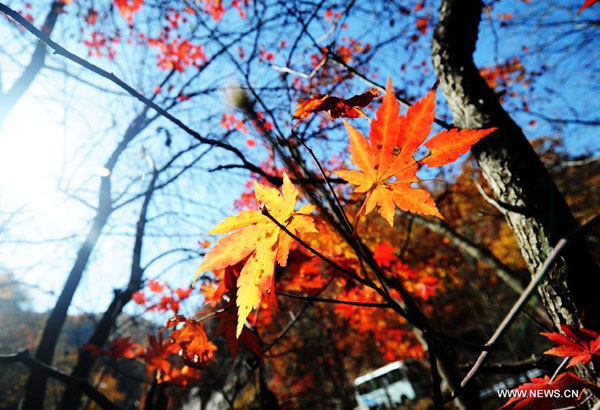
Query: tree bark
x=10, y=98
x=35, y=388
x=533, y=206
x=86, y=360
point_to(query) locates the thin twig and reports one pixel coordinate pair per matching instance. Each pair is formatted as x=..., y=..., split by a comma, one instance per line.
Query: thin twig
x=527, y=293
x=349, y=227
x=333, y=301
x=59, y=50
x=488, y=199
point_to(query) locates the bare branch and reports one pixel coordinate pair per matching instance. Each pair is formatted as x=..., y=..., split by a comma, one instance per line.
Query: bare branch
x=25, y=358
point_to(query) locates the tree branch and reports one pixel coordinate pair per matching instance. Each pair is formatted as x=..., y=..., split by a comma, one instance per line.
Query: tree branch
x=25, y=358
x=527, y=293
x=59, y=50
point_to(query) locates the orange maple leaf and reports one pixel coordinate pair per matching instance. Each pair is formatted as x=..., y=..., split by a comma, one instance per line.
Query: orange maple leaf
x=335, y=106
x=157, y=353
x=191, y=339
x=258, y=240
x=579, y=344
x=386, y=163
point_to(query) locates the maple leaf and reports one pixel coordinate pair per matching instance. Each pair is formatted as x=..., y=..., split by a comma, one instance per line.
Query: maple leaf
x=139, y=297
x=192, y=339
x=579, y=344
x=585, y=5
x=541, y=401
x=335, y=106
x=426, y=287
x=383, y=253
x=91, y=17
x=258, y=240
x=157, y=353
x=227, y=328
x=155, y=286
x=128, y=8
x=386, y=164
x=183, y=293
x=122, y=347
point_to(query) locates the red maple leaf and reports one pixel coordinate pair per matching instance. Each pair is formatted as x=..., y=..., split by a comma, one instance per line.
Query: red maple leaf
x=579, y=344
x=585, y=5
x=156, y=286
x=426, y=287
x=157, y=354
x=384, y=254
x=122, y=347
x=227, y=328
x=91, y=17
x=139, y=298
x=539, y=393
x=183, y=293
x=386, y=165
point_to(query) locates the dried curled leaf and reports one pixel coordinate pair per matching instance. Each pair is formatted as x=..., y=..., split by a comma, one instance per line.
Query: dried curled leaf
x=255, y=238
x=336, y=107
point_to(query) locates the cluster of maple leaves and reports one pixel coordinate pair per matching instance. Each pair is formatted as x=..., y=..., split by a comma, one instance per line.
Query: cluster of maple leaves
x=580, y=345
x=173, y=51
x=258, y=240
x=261, y=239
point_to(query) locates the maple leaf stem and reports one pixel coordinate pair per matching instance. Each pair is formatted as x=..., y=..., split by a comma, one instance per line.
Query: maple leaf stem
x=558, y=369
x=351, y=229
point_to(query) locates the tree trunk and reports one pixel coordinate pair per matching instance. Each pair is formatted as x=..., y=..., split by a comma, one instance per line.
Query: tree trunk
x=86, y=360
x=35, y=388
x=10, y=98
x=533, y=206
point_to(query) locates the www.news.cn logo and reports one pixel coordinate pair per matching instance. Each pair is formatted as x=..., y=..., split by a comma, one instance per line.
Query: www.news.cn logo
x=539, y=394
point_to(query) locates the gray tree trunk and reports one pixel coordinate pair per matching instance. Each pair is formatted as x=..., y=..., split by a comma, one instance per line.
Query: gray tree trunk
x=534, y=208
x=35, y=388
x=9, y=99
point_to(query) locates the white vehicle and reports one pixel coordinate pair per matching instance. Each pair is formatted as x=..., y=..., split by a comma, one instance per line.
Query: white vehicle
x=391, y=385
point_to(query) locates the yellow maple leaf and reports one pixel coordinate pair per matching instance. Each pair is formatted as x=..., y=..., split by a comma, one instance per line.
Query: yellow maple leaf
x=256, y=238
